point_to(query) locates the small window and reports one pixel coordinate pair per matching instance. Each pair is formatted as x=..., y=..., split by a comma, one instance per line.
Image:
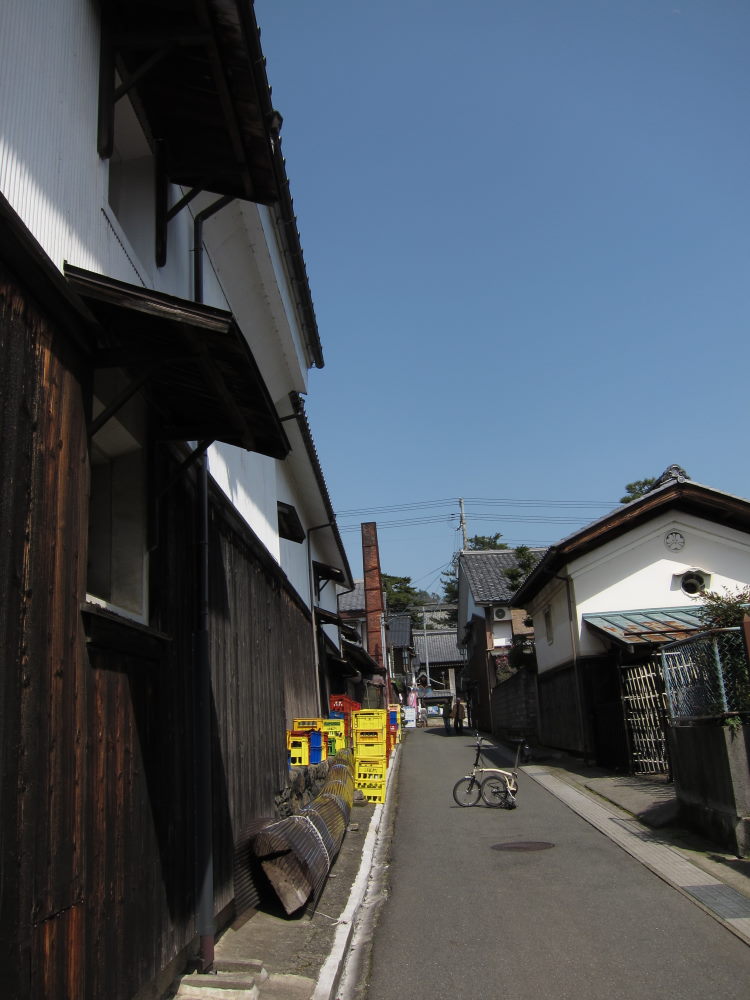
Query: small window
x=132, y=183
x=694, y=582
x=290, y=526
x=548, y=624
x=117, y=549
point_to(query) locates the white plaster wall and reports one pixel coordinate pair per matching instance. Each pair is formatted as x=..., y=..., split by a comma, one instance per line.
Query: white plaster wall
x=559, y=650
x=50, y=171
x=502, y=631
x=241, y=245
x=51, y=174
x=636, y=572
x=249, y=480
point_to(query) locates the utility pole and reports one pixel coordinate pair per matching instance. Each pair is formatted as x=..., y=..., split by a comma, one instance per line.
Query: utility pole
x=463, y=521
x=426, y=652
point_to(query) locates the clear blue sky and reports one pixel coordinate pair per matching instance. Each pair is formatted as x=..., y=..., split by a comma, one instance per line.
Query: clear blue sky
x=526, y=226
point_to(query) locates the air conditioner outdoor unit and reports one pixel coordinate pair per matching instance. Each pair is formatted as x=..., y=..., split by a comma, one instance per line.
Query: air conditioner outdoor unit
x=500, y=614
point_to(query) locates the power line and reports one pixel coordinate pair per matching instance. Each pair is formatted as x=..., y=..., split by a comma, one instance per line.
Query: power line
x=452, y=518
x=489, y=501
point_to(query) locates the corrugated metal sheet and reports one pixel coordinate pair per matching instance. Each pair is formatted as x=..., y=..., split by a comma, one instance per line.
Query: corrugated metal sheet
x=49, y=168
x=297, y=852
x=650, y=625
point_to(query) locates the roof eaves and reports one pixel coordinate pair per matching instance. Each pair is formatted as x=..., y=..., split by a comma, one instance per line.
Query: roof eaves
x=298, y=407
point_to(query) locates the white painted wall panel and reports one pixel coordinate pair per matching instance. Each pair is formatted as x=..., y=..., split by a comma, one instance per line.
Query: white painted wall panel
x=51, y=174
x=49, y=168
x=636, y=572
x=249, y=480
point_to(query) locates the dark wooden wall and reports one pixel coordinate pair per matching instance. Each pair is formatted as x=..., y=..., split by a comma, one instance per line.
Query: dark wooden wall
x=559, y=717
x=514, y=706
x=97, y=802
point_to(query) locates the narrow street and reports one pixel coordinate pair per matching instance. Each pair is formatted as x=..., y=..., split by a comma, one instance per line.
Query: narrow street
x=529, y=904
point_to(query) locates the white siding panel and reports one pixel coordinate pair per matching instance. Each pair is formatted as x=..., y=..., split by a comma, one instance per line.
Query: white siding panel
x=49, y=168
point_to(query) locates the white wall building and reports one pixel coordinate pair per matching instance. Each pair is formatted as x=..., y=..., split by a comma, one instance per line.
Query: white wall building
x=606, y=594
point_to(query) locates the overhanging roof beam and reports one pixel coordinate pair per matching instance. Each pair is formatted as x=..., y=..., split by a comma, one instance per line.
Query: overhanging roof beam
x=219, y=385
x=191, y=459
x=130, y=80
x=185, y=200
x=227, y=106
x=121, y=399
x=124, y=358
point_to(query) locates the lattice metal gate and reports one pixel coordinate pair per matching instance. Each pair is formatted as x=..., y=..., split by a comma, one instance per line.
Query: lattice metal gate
x=642, y=697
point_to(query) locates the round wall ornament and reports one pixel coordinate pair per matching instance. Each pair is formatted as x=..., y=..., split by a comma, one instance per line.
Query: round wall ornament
x=674, y=540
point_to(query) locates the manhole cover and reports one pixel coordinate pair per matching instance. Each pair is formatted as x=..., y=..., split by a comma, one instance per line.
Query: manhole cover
x=523, y=845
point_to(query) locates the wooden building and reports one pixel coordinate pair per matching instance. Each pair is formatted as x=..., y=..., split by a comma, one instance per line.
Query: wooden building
x=169, y=550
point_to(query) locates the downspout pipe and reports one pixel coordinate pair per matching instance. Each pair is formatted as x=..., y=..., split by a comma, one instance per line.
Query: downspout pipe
x=576, y=670
x=204, y=847
x=316, y=650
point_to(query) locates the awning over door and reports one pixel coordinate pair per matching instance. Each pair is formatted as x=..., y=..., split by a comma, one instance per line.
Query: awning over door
x=361, y=659
x=641, y=627
x=193, y=361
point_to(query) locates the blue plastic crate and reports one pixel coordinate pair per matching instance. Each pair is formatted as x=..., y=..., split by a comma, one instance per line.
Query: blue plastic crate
x=316, y=755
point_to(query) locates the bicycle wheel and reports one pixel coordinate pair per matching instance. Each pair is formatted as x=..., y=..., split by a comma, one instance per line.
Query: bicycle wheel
x=495, y=793
x=466, y=791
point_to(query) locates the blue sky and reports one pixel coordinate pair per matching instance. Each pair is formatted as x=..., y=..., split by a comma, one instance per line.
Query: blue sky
x=526, y=226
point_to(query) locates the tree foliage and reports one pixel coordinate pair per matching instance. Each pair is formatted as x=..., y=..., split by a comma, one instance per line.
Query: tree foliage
x=485, y=543
x=449, y=579
x=401, y=597
x=638, y=488
x=525, y=562
x=725, y=609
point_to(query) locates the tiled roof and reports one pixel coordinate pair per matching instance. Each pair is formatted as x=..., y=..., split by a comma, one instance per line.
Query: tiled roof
x=677, y=494
x=485, y=576
x=354, y=601
x=441, y=647
x=398, y=632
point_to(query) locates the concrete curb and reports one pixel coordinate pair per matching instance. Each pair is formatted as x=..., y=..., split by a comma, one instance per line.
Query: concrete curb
x=330, y=973
x=719, y=900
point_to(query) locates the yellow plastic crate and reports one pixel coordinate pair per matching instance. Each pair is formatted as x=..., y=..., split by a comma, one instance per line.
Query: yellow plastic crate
x=369, y=735
x=369, y=769
x=337, y=727
x=370, y=786
x=370, y=750
x=299, y=750
x=307, y=723
x=369, y=718
x=374, y=794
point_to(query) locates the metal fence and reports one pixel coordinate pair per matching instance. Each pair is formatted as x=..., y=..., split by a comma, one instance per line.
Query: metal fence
x=707, y=675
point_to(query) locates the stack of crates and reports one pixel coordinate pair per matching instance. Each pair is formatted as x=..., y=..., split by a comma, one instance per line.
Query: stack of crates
x=335, y=730
x=369, y=730
x=394, y=727
x=341, y=707
x=298, y=747
x=307, y=742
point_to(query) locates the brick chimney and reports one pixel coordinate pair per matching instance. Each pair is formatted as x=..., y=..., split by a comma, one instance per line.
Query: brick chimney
x=373, y=591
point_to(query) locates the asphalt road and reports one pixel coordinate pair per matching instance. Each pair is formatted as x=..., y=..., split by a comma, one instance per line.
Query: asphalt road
x=529, y=904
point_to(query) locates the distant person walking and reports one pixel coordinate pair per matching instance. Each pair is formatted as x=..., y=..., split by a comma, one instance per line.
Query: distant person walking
x=459, y=714
x=447, y=716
